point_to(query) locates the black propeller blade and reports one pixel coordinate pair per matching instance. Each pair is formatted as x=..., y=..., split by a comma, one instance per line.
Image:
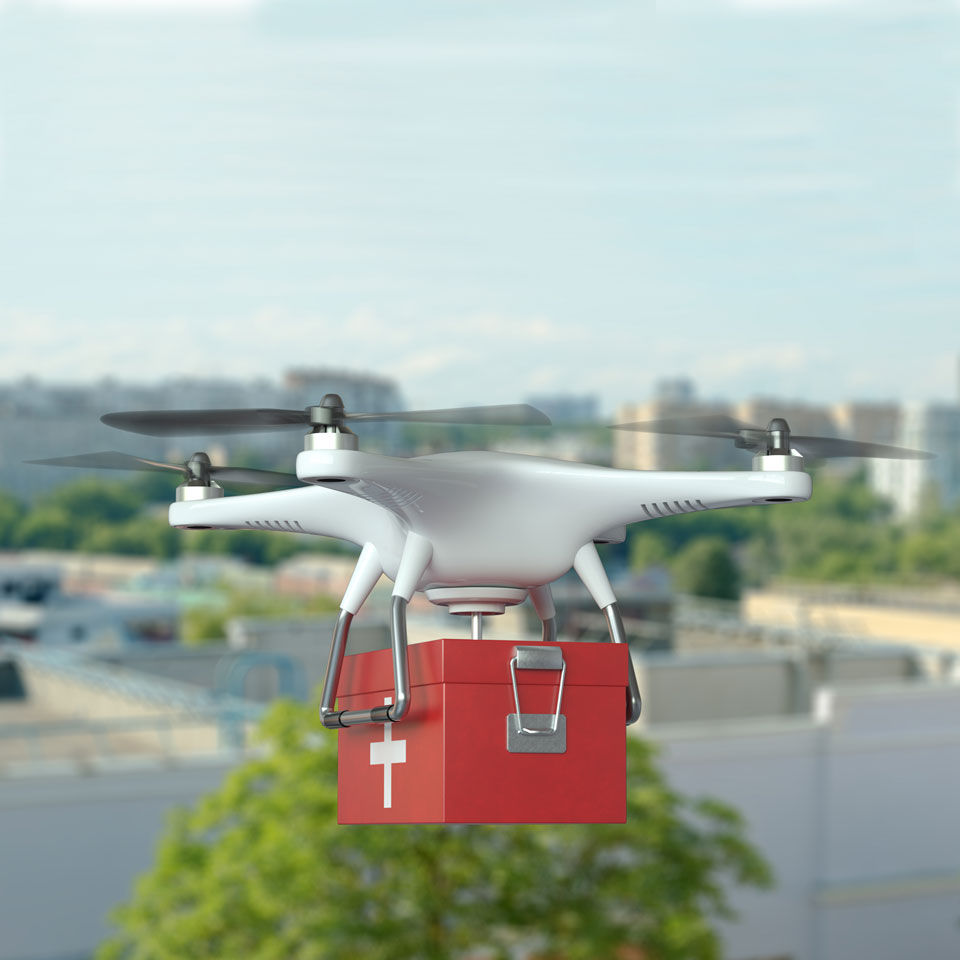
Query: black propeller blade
x=329, y=413
x=505, y=414
x=168, y=423
x=823, y=447
x=777, y=433
x=114, y=460
x=705, y=425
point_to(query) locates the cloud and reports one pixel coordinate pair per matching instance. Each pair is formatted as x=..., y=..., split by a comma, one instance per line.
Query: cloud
x=428, y=361
x=435, y=352
x=781, y=357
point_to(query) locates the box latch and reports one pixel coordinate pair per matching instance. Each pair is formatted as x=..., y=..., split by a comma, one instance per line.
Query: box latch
x=537, y=732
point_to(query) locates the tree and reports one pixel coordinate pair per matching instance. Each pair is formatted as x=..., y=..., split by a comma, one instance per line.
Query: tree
x=11, y=512
x=260, y=870
x=648, y=550
x=46, y=528
x=203, y=624
x=706, y=568
x=143, y=535
x=93, y=500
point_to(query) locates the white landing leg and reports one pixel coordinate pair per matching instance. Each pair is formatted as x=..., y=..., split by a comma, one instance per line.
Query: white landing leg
x=590, y=570
x=542, y=600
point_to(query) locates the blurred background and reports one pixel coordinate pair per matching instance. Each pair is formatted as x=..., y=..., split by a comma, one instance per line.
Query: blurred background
x=615, y=212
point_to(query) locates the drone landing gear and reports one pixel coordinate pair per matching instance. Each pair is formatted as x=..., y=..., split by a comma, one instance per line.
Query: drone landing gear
x=332, y=719
x=416, y=555
x=464, y=601
x=589, y=568
x=473, y=601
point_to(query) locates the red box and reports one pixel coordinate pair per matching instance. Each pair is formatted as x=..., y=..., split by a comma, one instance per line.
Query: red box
x=447, y=761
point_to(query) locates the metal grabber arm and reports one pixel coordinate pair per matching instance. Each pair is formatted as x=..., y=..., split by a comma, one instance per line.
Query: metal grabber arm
x=417, y=553
x=589, y=568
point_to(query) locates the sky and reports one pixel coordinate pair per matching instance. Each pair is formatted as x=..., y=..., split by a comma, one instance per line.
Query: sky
x=485, y=200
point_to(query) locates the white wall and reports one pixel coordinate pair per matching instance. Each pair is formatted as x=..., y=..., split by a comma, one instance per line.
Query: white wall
x=70, y=847
x=857, y=812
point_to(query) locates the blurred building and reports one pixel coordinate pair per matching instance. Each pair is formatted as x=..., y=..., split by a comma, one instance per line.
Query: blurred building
x=640, y=450
x=361, y=392
x=880, y=614
x=913, y=485
x=40, y=420
x=567, y=409
x=35, y=608
x=870, y=422
x=809, y=419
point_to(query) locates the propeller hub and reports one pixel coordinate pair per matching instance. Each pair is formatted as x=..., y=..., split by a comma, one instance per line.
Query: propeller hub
x=197, y=470
x=329, y=413
x=778, y=438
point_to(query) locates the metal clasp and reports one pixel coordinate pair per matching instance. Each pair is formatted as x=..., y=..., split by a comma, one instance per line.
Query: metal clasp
x=552, y=738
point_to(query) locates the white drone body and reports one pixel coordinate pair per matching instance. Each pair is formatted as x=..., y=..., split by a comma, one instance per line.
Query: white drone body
x=481, y=519
x=476, y=531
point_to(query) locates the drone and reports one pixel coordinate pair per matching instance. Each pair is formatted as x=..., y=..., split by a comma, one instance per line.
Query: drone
x=476, y=531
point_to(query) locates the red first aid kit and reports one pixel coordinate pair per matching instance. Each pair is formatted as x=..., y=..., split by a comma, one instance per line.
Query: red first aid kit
x=496, y=733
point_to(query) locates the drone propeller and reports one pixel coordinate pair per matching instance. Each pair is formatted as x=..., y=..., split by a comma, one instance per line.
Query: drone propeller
x=328, y=414
x=775, y=439
x=197, y=469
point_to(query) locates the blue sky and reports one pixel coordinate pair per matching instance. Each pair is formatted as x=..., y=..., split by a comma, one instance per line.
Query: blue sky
x=485, y=200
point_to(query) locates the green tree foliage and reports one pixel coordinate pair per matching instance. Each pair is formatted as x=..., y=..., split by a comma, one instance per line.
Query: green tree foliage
x=46, y=528
x=648, y=549
x=11, y=515
x=843, y=533
x=254, y=546
x=933, y=553
x=261, y=870
x=94, y=501
x=208, y=624
x=143, y=535
x=931, y=547
x=706, y=568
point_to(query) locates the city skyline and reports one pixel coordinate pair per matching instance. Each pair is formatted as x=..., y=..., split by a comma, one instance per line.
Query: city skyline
x=273, y=382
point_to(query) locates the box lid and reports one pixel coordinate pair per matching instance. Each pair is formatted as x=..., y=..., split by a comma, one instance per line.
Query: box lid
x=483, y=661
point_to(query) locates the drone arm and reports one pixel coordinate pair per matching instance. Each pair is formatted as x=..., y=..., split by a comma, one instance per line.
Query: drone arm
x=589, y=568
x=313, y=509
x=628, y=496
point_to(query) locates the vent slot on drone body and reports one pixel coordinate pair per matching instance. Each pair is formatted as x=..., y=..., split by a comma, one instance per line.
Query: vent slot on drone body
x=291, y=526
x=397, y=499
x=672, y=508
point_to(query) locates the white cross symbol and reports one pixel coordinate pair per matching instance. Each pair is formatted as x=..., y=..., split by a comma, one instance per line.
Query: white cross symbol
x=388, y=752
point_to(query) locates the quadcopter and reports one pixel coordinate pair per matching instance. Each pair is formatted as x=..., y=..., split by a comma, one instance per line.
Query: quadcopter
x=476, y=531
